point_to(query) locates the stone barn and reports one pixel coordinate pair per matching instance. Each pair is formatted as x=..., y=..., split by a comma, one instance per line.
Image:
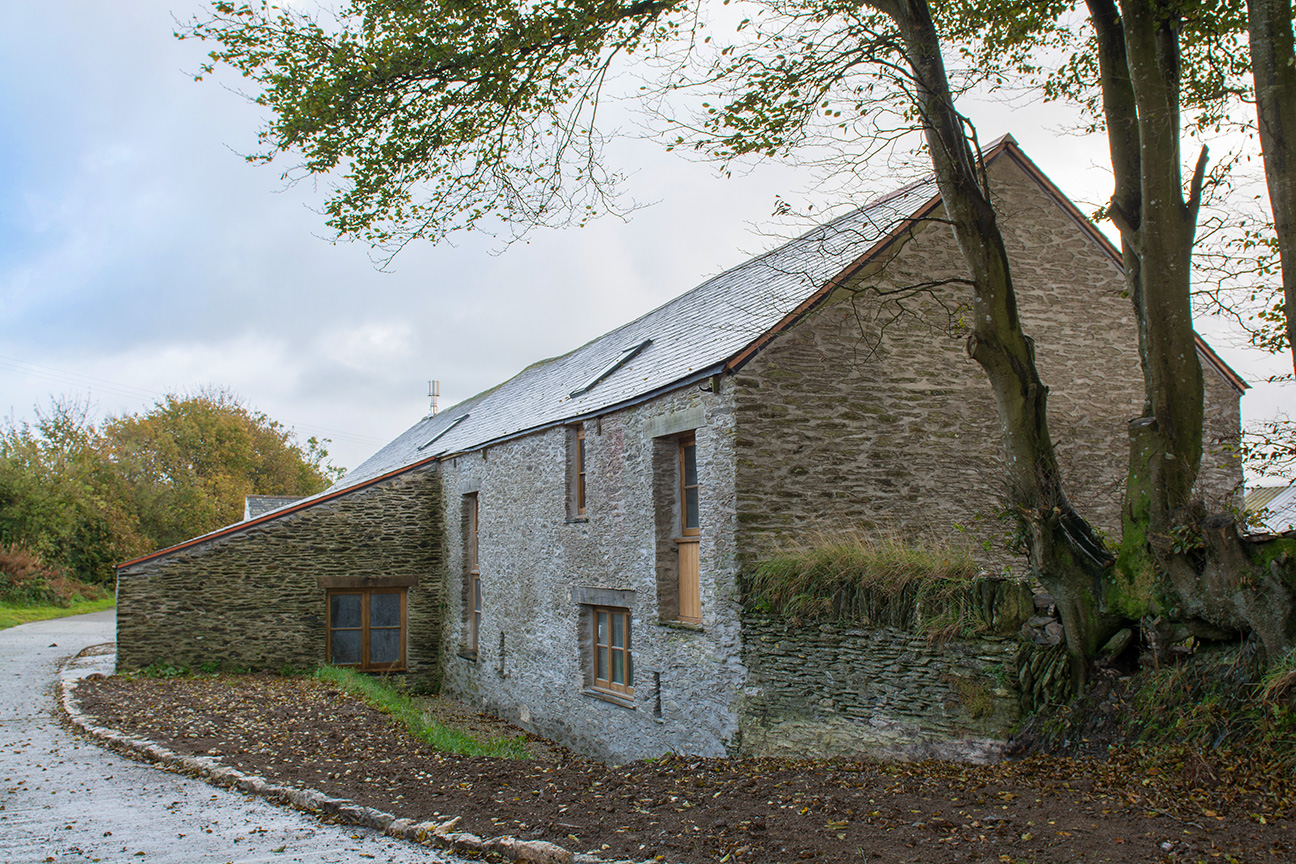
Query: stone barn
x=566, y=550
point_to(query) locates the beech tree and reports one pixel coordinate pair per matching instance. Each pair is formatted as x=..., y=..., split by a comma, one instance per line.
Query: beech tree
x=441, y=115
x=1273, y=65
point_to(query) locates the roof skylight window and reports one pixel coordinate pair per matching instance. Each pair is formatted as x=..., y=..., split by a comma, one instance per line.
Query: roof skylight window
x=453, y=423
x=621, y=359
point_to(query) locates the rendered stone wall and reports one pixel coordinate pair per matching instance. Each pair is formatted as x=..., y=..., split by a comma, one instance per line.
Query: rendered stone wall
x=826, y=690
x=541, y=571
x=252, y=599
x=869, y=413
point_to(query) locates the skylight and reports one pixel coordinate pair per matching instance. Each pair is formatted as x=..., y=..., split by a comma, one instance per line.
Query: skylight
x=623, y=358
x=453, y=423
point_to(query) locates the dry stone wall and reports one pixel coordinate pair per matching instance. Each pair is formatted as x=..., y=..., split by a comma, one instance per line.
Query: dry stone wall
x=253, y=599
x=827, y=690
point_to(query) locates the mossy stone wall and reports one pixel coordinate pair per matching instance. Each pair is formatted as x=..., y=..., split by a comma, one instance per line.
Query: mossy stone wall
x=252, y=599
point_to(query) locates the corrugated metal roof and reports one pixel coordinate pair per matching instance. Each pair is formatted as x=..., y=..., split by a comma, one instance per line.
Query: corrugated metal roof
x=1276, y=506
x=691, y=334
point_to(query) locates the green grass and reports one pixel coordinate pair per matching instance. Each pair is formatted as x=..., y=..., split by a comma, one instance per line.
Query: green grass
x=417, y=719
x=12, y=614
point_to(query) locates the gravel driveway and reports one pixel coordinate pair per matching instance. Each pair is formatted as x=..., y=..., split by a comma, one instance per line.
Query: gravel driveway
x=67, y=800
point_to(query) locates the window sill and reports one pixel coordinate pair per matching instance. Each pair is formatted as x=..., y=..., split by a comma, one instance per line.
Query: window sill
x=681, y=625
x=576, y=520
x=607, y=696
x=470, y=656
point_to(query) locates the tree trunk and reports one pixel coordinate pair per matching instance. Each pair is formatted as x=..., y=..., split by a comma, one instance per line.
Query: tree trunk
x=1064, y=552
x=1139, y=62
x=1273, y=66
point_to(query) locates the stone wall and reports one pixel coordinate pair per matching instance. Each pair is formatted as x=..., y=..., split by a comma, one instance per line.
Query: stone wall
x=252, y=599
x=828, y=690
x=1219, y=484
x=869, y=414
x=542, y=570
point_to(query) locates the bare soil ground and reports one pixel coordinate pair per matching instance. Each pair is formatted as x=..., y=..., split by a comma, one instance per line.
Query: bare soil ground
x=1127, y=807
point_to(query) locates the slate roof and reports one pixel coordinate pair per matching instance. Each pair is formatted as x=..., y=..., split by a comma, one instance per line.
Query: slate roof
x=1276, y=506
x=259, y=505
x=689, y=337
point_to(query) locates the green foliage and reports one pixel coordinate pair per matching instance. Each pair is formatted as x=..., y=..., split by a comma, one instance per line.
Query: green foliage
x=13, y=615
x=60, y=497
x=406, y=709
x=1269, y=448
x=1218, y=700
x=190, y=462
x=873, y=580
x=83, y=497
x=164, y=671
x=439, y=113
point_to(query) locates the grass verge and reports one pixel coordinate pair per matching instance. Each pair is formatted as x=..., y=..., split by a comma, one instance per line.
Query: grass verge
x=401, y=707
x=11, y=615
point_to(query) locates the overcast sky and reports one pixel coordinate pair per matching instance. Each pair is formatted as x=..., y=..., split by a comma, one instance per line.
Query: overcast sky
x=140, y=255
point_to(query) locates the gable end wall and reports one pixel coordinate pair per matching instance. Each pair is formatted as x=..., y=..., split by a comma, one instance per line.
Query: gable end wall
x=868, y=414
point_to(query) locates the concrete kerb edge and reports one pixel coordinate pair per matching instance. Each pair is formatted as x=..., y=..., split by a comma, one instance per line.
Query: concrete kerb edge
x=210, y=769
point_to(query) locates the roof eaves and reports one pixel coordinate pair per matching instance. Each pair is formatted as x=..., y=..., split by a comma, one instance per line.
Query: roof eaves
x=639, y=399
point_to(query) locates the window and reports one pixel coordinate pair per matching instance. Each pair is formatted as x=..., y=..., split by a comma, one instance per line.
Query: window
x=367, y=628
x=576, y=462
x=580, y=470
x=472, y=575
x=613, y=665
x=688, y=485
x=689, y=592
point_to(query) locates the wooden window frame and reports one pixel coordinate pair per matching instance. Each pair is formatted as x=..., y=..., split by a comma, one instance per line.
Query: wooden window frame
x=607, y=651
x=473, y=601
x=685, y=441
x=579, y=457
x=688, y=589
x=365, y=593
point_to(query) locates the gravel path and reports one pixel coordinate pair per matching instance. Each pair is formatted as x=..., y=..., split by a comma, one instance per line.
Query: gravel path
x=65, y=799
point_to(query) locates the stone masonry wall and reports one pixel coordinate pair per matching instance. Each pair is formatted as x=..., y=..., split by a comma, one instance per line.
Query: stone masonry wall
x=252, y=599
x=826, y=690
x=869, y=413
x=1219, y=483
x=542, y=570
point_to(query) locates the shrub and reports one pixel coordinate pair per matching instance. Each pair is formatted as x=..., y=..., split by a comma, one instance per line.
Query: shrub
x=26, y=580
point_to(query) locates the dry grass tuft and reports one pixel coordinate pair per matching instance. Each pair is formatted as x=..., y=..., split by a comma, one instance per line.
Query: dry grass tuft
x=869, y=579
